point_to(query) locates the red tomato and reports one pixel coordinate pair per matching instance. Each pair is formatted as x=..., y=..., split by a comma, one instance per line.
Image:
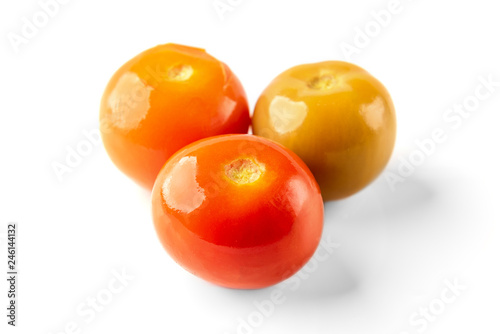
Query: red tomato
x=163, y=99
x=239, y=211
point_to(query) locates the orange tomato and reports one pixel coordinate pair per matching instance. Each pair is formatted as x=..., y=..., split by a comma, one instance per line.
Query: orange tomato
x=163, y=99
x=337, y=117
x=238, y=210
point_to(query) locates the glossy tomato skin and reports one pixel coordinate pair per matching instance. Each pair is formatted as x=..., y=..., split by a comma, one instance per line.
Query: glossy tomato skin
x=163, y=99
x=236, y=227
x=337, y=117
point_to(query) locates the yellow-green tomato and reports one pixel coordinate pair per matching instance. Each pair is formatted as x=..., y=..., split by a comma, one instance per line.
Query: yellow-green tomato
x=334, y=115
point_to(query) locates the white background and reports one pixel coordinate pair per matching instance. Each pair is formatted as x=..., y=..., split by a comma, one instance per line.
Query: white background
x=397, y=246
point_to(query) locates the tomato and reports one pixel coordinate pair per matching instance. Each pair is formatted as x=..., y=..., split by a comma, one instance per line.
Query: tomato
x=163, y=99
x=238, y=210
x=337, y=117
